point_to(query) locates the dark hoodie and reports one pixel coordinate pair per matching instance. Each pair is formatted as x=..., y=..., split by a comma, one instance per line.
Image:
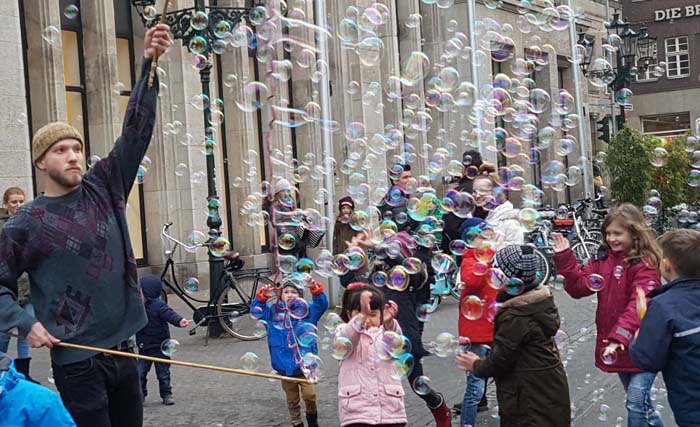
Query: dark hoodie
x=159, y=315
x=531, y=383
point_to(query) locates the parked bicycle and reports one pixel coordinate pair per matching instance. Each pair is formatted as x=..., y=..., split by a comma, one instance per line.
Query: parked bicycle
x=229, y=304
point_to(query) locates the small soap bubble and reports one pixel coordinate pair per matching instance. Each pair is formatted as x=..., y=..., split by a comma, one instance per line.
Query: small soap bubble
x=169, y=346
x=298, y=308
x=71, y=11
x=595, y=282
x=191, y=284
x=472, y=307
x=249, y=361
x=342, y=348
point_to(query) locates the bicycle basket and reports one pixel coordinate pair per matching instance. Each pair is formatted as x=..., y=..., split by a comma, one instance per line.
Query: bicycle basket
x=313, y=237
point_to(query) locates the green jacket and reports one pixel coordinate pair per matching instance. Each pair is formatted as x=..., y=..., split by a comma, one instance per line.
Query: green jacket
x=23, y=295
x=531, y=383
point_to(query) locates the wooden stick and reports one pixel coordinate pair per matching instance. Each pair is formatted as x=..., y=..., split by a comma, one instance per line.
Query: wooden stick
x=178, y=362
x=154, y=64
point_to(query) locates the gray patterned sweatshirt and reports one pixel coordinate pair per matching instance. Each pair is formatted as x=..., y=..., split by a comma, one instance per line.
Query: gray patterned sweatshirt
x=77, y=251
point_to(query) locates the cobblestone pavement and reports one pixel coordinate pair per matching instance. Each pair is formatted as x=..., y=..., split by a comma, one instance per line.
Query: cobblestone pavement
x=207, y=398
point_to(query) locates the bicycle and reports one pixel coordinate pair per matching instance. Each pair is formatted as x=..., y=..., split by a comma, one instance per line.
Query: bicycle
x=229, y=304
x=445, y=284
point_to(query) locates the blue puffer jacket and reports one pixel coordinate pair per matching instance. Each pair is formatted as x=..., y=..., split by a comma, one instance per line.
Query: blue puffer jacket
x=25, y=404
x=278, y=336
x=159, y=314
x=669, y=341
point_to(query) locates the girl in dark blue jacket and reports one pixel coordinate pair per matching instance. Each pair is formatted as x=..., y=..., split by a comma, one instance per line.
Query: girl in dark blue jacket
x=292, y=338
x=153, y=337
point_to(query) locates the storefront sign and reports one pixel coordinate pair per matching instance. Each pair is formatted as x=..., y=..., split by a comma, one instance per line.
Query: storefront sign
x=676, y=13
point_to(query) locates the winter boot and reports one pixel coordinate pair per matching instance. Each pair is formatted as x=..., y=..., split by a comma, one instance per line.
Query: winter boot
x=441, y=413
x=312, y=420
x=168, y=400
x=22, y=366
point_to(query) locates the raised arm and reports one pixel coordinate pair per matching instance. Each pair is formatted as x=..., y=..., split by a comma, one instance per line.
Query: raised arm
x=574, y=276
x=123, y=163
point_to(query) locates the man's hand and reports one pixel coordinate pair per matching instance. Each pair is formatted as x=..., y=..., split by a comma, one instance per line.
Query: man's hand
x=40, y=337
x=465, y=361
x=185, y=323
x=391, y=309
x=561, y=243
x=158, y=41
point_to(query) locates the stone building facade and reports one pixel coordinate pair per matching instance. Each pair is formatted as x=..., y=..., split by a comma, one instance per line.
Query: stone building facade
x=666, y=104
x=85, y=73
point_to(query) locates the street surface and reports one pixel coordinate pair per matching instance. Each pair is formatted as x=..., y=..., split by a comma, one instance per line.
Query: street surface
x=212, y=399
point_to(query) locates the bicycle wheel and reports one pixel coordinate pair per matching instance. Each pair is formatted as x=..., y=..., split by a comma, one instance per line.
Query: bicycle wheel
x=545, y=261
x=581, y=256
x=233, y=307
x=433, y=303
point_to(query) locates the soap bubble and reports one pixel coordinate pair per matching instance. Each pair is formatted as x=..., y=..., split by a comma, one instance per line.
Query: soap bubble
x=595, y=282
x=403, y=365
x=472, y=307
x=249, y=361
x=219, y=246
x=331, y=321
x=51, y=35
x=608, y=359
x=423, y=312
x=298, y=308
x=659, y=157
x=398, y=279
x=422, y=385
x=169, y=347
x=71, y=11
x=342, y=348
x=191, y=284
x=260, y=329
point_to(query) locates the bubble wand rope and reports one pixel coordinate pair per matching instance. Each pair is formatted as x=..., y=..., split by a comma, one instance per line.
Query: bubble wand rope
x=154, y=64
x=178, y=362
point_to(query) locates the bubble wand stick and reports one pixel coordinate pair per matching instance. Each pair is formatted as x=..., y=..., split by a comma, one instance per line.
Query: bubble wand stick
x=154, y=64
x=178, y=362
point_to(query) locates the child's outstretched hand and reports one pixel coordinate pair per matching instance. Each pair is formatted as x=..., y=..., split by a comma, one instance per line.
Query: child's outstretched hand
x=185, y=323
x=561, y=243
x=641, y=303
x=268, y=291
x=312, y=285
x=365, y=300
x=465, y=361
x=391, y=309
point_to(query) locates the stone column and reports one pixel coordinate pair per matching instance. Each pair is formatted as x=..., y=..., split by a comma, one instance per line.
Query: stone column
x=99, y=49
x=14, y=145
x=45, y=61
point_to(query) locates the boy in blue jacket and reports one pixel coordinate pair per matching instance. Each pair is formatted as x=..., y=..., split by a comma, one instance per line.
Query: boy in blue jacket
x=152, y=336
x=669, y=337
x=291, y=331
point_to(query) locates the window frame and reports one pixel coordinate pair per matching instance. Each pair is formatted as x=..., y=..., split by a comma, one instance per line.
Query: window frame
x=677, y=54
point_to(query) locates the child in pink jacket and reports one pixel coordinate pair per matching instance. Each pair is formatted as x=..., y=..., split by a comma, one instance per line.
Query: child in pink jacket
x=628, y=261
x=369, y=390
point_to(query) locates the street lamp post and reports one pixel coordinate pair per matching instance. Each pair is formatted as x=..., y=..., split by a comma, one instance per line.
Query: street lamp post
x=634, y=55
x=202, y=29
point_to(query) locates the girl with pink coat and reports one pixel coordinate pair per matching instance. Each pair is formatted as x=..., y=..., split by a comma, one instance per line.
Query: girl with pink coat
x=370, y=392
x=627, y=262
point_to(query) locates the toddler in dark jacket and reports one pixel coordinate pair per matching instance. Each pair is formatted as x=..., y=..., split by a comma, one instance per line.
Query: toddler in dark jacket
x=153, y=336
x=531, y=383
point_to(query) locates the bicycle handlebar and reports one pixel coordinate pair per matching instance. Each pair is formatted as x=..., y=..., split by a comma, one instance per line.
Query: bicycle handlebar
x=164, y=233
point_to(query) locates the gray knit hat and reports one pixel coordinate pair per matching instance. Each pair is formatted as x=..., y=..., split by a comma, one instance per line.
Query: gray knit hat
x=50, y=134
x=521, y=262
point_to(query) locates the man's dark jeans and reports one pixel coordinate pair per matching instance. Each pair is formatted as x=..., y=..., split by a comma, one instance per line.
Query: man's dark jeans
x=102, y=391
x=162, y=373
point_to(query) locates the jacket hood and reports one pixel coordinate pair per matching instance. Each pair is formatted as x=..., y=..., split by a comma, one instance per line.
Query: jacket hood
x=538, y=303
x=151, y=286
x=503, y=212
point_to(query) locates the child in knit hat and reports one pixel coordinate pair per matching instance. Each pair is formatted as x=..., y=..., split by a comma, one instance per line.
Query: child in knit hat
x=291, y=335
x=531, y=383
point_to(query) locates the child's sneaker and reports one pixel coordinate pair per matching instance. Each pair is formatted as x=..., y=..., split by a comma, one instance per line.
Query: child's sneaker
x=168, y=400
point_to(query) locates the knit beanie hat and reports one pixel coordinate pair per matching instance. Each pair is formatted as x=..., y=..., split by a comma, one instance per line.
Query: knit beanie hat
x=521, y=262
x=470, y=223
x=281, y=185
x=296, y=281
x=346, y=201
x=50, y=134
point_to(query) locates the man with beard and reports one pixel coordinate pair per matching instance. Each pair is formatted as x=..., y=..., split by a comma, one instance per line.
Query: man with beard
x=74, y=243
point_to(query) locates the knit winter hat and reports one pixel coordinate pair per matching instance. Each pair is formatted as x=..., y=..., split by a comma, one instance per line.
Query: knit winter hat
x=346, y=201
x=281, y=185
x=296, y=281
x=50, y=134
x=521, y=262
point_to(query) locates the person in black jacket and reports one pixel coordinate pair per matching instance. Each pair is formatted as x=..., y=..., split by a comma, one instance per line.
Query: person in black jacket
x=153, y=336
x=669, y=336
x=531, y=383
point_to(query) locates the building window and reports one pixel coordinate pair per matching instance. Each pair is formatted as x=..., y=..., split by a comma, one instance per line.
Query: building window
x=666, y=125
x=74, y=75
x=648, y=74
x=677, y=57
